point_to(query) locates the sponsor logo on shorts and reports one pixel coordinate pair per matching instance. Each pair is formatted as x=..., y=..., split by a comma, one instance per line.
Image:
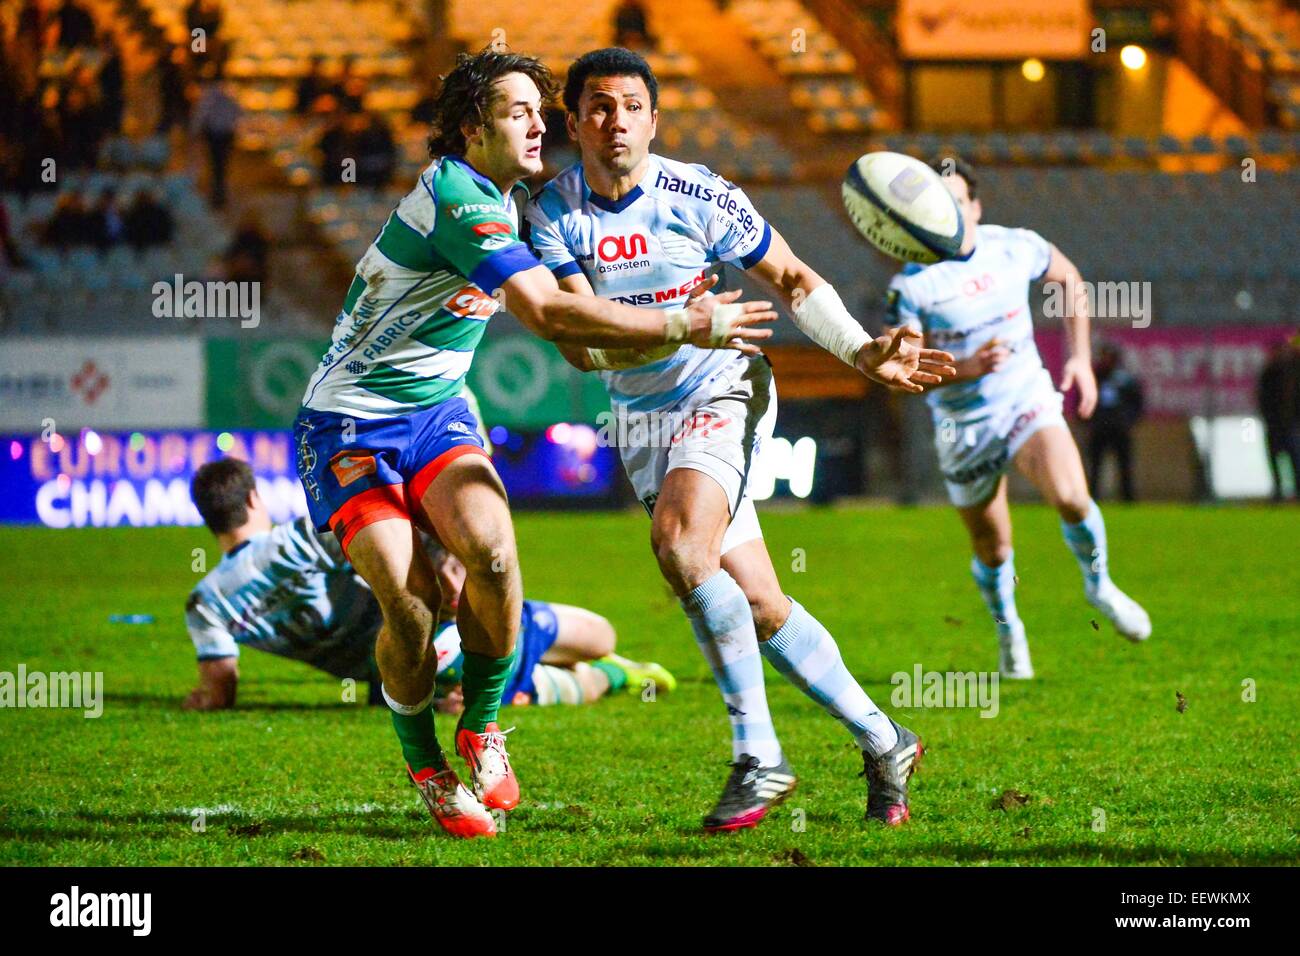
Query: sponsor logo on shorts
x=992, y=466
x=701, y=425
x=1022, y=422
x=307, y=461
x=460, y=427
x=629, y=429
x=349, y=466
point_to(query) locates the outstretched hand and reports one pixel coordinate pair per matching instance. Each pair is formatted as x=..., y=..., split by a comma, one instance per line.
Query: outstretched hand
x=900, y=360
x=737, y=331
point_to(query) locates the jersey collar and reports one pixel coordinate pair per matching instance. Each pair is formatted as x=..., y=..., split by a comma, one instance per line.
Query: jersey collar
x=614, y=205
x=482, y=180
x=474, y=174
x=239, y=547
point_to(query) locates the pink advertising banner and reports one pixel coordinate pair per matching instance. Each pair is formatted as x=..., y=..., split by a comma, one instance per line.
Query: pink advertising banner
x=1184, y=371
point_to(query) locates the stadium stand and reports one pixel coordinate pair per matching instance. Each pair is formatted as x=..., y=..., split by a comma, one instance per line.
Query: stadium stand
x=822, y=75
x=693, y=123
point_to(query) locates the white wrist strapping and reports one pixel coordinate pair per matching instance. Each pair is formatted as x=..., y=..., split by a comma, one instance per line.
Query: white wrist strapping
x=677, y=324
x=823, y=318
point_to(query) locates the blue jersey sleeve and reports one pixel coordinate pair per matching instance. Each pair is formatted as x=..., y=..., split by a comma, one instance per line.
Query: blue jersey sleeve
x=735, y=232
x=900, y=308
x=211, y=638
x=547, y=238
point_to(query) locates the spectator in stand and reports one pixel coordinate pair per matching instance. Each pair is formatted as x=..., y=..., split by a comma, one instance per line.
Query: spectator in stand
x=112, y=86
x=631, y=28
x=1119, y=406
x=76, y=27
x=70, y=224
x=1278, y=396
x=351, y=94
x=422, y=111
x=82, y=121
x=311, y=86
x=10, y=257
x=173, y=89
x=147, y=223
x=23, y=59
x=335, y=146
x=206, y=15
x=216, y=117
x=247, y=258
x=375, y=150
x=107, y=226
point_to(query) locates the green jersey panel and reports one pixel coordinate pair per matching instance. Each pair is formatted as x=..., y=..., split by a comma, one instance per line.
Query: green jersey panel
x=421, y=297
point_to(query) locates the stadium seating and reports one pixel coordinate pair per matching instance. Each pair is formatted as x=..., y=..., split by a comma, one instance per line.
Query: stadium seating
x=1201, y=240
x=87, y=292
x=822, y=75
x=693, y=123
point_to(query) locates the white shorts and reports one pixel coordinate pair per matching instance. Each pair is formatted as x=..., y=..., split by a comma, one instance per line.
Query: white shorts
x=716, y=430
x=973, y=455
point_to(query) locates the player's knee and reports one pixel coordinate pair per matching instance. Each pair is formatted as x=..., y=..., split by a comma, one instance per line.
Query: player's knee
x=1074, y=506
x=681, y=557
x=405, y=615
x=490, y=555
x=770, y=612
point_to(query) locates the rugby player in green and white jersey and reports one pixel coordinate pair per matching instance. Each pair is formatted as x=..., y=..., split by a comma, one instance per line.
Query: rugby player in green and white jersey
x=386, y=445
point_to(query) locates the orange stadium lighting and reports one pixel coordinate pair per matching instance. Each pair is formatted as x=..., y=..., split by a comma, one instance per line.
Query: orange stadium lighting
x=1133, y=57
x=1033, y=69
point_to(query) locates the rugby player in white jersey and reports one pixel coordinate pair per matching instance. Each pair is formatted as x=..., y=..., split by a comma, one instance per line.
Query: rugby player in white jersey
x=386, y=444
x=642, y=229
x=1002, y=407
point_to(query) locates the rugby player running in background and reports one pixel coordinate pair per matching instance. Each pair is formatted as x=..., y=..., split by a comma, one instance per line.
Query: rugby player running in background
x=1002, y=407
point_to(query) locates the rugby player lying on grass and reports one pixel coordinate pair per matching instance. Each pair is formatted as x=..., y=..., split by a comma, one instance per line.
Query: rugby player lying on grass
x=288, y=589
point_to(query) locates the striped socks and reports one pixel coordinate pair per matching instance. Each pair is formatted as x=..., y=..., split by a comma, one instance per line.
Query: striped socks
x=806, y=654
x=997, y=586
x=723, y=623
x=1087, y=540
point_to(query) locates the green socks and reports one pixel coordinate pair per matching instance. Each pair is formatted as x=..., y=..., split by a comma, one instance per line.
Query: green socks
x=416, y=734
x=482, y=683
x=615, y=672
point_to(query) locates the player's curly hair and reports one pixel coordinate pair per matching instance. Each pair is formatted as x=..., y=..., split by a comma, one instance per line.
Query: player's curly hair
x=466, y=94
x=220, y=490
x=955, y=165
x=611, y=61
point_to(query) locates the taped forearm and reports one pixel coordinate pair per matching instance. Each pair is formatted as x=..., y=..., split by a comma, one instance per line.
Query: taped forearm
x=824, y=319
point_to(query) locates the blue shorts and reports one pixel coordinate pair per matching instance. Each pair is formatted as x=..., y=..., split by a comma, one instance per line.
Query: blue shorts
x=537, y=632
x=386, y=467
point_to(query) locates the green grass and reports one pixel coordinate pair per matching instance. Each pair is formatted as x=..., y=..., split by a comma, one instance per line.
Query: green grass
x=295, y=775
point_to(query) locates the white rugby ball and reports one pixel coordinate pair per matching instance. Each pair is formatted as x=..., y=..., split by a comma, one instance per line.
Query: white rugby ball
x=901, y=206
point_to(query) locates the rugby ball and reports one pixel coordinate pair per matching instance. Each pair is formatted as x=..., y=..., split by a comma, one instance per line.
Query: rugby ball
x=901, y=206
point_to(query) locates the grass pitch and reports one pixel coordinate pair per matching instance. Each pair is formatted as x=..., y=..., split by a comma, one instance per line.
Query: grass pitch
x=1110, y=771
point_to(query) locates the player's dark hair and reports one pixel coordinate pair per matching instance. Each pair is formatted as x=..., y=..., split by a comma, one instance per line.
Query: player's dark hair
x=220, y=491
x=465, y=96
x=611, y=61
x=950, y=165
